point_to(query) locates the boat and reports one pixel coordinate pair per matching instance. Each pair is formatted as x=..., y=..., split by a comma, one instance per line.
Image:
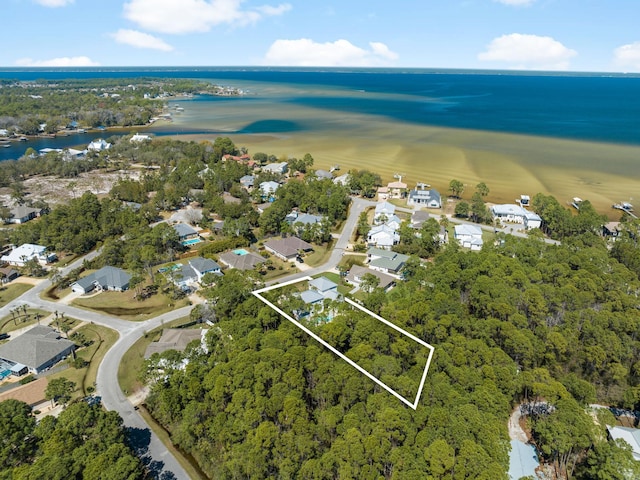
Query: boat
x=23, y=139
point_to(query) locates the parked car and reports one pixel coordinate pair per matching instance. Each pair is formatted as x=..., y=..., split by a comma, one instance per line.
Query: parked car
x=299, y=259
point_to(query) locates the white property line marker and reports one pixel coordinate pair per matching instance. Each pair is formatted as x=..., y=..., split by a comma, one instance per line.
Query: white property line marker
x=413, y=404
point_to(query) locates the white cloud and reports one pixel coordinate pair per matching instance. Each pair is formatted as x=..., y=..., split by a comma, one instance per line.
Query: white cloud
x=58, y=62
x=54, y=3
x=140, y=40
x=341, y=53
x=528, y=52
x=628, y=56
x=185, y=16
x=516, y=3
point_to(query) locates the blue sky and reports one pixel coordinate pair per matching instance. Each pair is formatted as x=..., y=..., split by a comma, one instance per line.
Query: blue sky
x=576, y=35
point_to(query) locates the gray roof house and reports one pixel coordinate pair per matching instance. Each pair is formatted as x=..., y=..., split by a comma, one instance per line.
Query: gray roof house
x=287, y=248
x=386, y=282
x=202, y=266
x=247, y=181
x=241, y=259
x=427, y=198
x=386, y=261
x=323, y=175
x=185, y=231
x=107, y=278
x=22, y=214
x=37, y=349
x=174, y=339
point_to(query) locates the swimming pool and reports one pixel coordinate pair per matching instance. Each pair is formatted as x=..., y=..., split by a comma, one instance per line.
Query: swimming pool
x=240, y=252
x=191, y=241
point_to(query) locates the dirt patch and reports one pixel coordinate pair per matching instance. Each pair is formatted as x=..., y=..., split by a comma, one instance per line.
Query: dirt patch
x=54, y=190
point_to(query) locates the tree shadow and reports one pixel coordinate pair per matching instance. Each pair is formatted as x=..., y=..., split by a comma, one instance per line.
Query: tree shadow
x=139, y=440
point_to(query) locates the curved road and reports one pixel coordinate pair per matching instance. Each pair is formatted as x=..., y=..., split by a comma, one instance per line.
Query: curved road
x=154, y=454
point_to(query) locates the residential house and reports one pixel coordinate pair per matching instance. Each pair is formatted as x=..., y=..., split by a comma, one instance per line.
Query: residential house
x=611, y=230
x=419, y=218
x=8, y=274
x=262, y=207
x=37, y=349
x=185, y=232
x=383, y=236
x=386, y=282
x=469, y=236
x=22, y=214
x=288, y=248
x=397, y=189
x=513, y=213
x=386, y=261
x=342, y=180
x=278, y=168
x=107, y=278
x=98, y=145
x=424, y=197
x=71, y=154
x=202, y=266
x=323, y=175
x=383, y=194
x=244, y=158
x=137, y=138
x=393, y=222
x=268, y=189
x=28, y=251
x=320, y=289
x=296, y=217
x=241, y=259
x=383, y=211
x=629, y=435
x=247, y=182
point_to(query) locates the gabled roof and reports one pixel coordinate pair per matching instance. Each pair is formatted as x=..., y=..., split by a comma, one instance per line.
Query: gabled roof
x=629, y=435
x=203, y=265
x=467, y=230
x=22, y=211
x=185, y=274
x=322, y=284
x=109, y=277
x=385, y=208
x=380, y=252
x=307, y=219
x=289, y=246
x=357, y=271
x=247, y=261
x=394, y=264
x=35, y=347
x=420, y=216
x=311, y=296
x=323, y=174
x=26, y=250
x=173, y=339
x=184, y=230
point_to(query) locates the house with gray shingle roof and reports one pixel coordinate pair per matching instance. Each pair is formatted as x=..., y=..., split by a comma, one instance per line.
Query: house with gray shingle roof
x=241, y=259
x=22, y=214
x=184, y=231
x=107, y=278
x=287, y=248
x=37, y=349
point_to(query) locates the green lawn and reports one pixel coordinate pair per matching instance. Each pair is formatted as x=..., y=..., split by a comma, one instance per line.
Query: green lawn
x=320, y=254
x=10, y=322
x=102, y=339
x=132, y=360
x=123, y=305
x=13, y=291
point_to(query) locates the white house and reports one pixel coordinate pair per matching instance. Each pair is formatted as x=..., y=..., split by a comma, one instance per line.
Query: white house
x=516, y=214
x=424, y=197
x=25, y=252
x=343, y=179
x=397, y=189
x=629, y=435
x=98, y=145
x=383, y=236
x=469, y=236
x=268, y=189
x=107, y=278
x=384, y=211
x=278, y=168
x=139, y=138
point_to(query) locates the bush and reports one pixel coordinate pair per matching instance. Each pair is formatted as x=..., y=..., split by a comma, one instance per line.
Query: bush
x=27, y=379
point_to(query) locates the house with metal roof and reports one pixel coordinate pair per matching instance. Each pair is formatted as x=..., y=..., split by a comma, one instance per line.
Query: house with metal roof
x=383, y=236
x=356, y=272
x=38, y=349
x=107, y=278
x=469, y=236
x=386, y=261
x=29, y=251
x=383, y=211
x=513, y=213
x=424, y=197
x=278, y=168
x=629, y=435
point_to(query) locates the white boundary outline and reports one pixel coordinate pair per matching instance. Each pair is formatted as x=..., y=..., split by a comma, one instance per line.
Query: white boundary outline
x=413, y=404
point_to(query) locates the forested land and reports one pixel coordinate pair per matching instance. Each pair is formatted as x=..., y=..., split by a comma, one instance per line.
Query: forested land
x=84, y=442
x=90, y=102
x=520, y=321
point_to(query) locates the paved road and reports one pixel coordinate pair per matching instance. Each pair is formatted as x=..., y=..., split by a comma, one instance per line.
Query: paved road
x=148, y=446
